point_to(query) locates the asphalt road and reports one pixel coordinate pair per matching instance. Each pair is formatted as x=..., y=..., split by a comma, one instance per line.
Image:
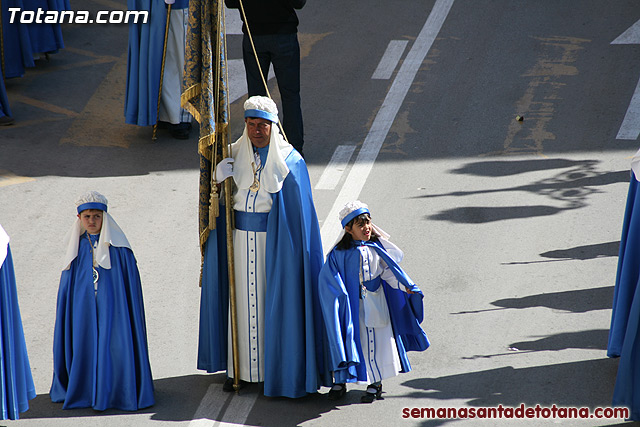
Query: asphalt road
x=511, y=228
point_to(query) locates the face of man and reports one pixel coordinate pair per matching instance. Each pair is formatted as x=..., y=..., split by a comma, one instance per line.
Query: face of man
x=91, y=220
x=259, y=131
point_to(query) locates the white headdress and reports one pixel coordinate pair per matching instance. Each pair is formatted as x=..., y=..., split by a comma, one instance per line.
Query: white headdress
x=110, y=234
x=354, y=209
x=275, y=169
x=635, y=165
x=4, y=244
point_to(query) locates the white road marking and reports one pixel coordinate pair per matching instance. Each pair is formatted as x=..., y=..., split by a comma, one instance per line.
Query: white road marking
x=390, y=59
x=336, y=167
x=630, y=128
x=384, y=119
x=218, y=408
x=631, y=36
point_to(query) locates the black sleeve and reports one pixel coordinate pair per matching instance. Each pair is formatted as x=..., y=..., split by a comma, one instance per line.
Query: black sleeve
x=297, y=4
x=233, y=4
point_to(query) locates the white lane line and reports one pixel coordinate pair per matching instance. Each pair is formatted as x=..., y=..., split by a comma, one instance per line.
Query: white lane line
x=630, y=128
x=384, y=119
x=336, y=167
x=631, y=36
x=390, y=59
x=218, y=408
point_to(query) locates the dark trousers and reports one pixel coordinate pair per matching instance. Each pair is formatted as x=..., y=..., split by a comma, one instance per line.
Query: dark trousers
x=283, y=51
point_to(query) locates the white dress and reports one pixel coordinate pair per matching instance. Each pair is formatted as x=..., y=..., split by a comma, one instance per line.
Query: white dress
x=249, y=258
x=376, y=335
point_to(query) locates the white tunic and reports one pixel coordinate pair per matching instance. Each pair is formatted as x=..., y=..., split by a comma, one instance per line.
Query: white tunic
x=249, y=258
x=376, y=335
x=249, y=249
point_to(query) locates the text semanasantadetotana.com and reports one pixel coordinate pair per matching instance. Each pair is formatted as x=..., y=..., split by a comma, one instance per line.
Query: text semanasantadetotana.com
x=520, y=412
x=41, y=16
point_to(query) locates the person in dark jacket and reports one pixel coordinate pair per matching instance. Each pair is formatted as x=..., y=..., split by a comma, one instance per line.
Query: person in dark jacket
x=273, y=25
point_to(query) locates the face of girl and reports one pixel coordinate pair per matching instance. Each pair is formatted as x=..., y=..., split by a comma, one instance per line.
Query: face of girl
x=360, y=230
x=91, y=220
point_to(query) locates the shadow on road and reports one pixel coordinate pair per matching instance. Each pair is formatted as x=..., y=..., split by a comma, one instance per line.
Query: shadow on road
x=571, y=188
x=178, y=399
x=575, y=301
x=562, y=384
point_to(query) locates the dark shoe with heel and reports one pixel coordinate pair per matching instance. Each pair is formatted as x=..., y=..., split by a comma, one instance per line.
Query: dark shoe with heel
x=373, y=392
x=337, y=391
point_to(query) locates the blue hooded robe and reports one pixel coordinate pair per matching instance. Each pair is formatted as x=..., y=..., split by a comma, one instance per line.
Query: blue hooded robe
x=16, y=382
x=144, y=62
x=295, y=358
x=4, y=100
x=339, y=286
x=17, y=43
x=624, y=333
x=100, y=355
x=22, y=41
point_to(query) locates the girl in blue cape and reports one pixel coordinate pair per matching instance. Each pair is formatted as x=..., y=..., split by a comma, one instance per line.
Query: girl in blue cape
x=371, y=308
x=16, y=382
x=100, y=355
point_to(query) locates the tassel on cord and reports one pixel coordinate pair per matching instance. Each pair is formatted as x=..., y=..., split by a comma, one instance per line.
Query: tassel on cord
x=214, y=206
x=214, y=199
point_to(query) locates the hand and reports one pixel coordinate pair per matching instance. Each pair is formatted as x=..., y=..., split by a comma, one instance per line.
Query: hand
x=169, y=1
x=224, y=169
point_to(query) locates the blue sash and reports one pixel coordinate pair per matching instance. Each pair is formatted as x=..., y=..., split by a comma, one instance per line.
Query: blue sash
x=251, y=221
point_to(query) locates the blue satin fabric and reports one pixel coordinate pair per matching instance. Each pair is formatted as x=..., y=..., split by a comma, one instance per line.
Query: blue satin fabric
x=100, y=355
x=295, y=353
x=624, y=334
x=17, y=42
x=16, y=382
x=251, y=221
x=46, y=37
x=4, y=101
x=144, y=63
x=22, y=41
x=339, y=286
x=146, y=42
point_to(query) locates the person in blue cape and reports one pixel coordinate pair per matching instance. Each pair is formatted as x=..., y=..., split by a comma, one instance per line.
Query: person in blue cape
x=25, y=42
x=16, y=382
x=100, y=355
x=372, y=310
x=144, y=66
x=624, y=332
x=5, y=112
x=277, y=257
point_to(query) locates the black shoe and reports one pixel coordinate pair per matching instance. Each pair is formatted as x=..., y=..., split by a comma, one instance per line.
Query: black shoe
x=181, y=130
x=163, y=125
x=228, y=385
x=178, y=131
x=337, y=393
x=6, y=121
x=373, y=392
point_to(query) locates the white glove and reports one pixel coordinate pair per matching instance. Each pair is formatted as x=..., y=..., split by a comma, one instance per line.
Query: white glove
x=224, y=169
x=169, y=1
